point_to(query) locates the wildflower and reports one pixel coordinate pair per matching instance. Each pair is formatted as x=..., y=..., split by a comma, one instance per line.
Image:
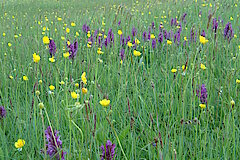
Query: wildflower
x=73, y=24
x=67, y=30
x=37, y=92
x=238, y=81
x=83, y=77
x=203, y=40
x=203, y=66
x=77, y=34
x=52, y=59
x=108, y=151
x=232, y=103
x=74, y=95
x=129, y=44
x=228, y=31
x=184, y=67
x=51, y=87
x=40, y=81
x=105, y=102
x=59, y=19
x=185, y=39
x=84, y=90
x=99, y=51
x=54, y=144
x=66, y=55
x=136, y=53
x=41, y=105
x=169, y=42
x=9, y=44
x=25, y=78
x=173, y=70
x=46, y=40
x=134, y=31
x=154, y=43
x=203, y=94
x=52, y=48
x=152, y=36
x=19, y=144
x=10, y=76
x=4, y=34
x=119, y=32
x=2, y=112
x=76, y=85
x=73, y=48
x=62, y=82
x=36, y=58
x=202, y=105
x=137, y=41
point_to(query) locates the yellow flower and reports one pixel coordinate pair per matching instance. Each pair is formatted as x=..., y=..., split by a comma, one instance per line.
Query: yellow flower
x=9, y=44
x=203, y=40
x=36, y=58
x=41, y=105
x=99, y=51
x=185, y=38
x=74, y=95
x=203, y=66
x=169, y=42
x=136, y=53
x=51, y=87
x=77, y=34
x=66, y=55
x=11, y=77
x=89, y=45
x=184, y=68
x=232, y=103
x=62, y=82
x=238, y=81
x=77, y=85
x=59, y=19
x=4, y=34
x=67, y=30
x=46, y=40
x=137, y=41
x=62, y=38
x=73, y=24
x=83, y=77
x=40, y=81
x=119, y=32
x=152, y=36
x=173, y=70
x=105, y=102
x=15, y=36
x=129, y=44
x=52, y=59
x=44, y=28
x=202, y=106
x=20, y=143
x=231, y=18
x=25, y=78
x=84, y=90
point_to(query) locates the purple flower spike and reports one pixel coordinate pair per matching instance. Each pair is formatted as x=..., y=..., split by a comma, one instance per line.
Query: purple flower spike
x=73, y=48
x=54, y=144
x=203, y=94
x=108, y=151
x=154, y=42
x=203, y=33
x=52, y=48
x=2, y=112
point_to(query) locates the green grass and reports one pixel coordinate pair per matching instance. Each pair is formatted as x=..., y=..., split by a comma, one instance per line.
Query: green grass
x=148, y=103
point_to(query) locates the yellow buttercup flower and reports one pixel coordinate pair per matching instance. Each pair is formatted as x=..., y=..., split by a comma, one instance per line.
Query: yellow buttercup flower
x=105, y=102
x=73, y=24
x=62, y=82
x=59, y=19
x=67, y=30
x=52, y=59
x=119, y=32
x=46, y=40
x=129, y=44
x=202, y=106
x=232, y=102
x=137, y=41
x=25, y=78
x=203, y=66
x=19, y=144
x=84, y=90
x=4, y=34
x=74, y=95
x=238, y=81
x=51, y=87
x=152, y=36
x=9, y=44
x=83, y=77
x=136, y=53
x=184, y=68
x=169, y=42
x=77, y=85
x=36, y=58
x=77, y=34
x=173, y=70
x=99, y=51
x=203, y=40
x=66, y=55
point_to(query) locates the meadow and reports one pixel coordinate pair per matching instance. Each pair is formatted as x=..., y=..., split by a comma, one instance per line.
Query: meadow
x=127, y=80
